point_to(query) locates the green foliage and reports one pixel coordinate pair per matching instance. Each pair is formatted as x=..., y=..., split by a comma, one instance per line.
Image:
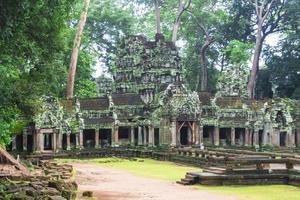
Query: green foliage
x=238, y=52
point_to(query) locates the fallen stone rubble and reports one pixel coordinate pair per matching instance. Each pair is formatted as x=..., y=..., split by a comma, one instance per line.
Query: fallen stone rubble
x=49, y=181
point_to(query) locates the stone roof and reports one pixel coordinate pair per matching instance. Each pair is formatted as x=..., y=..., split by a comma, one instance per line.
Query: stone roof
x=95, y=121
x=100, y=103
x=121, y=99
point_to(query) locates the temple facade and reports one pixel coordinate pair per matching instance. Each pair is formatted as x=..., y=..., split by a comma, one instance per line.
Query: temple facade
x=147, y=104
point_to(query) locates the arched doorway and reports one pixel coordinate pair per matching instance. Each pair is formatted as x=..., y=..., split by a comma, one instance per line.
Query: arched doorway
x=185, y=133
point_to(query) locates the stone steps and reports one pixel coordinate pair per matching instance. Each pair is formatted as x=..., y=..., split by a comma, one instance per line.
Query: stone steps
x=190, y=179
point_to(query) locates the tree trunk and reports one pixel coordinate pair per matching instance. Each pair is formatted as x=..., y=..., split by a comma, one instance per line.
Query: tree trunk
x=177, y=21
x=202, y=83
x=75, y=51
x=157, y=14
x=255, y=62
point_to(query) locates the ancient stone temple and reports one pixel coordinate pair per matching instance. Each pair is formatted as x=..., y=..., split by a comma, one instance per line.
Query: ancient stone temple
x=147, y=104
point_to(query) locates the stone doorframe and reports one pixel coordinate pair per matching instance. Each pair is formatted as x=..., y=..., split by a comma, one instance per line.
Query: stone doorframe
x=191, y=126
x=40, y=139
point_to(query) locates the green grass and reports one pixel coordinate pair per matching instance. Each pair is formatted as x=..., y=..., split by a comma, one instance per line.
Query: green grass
x=142, y=167
x=173, y=172
x=270, y=192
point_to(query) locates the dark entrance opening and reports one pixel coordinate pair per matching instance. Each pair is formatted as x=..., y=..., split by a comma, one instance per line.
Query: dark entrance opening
x=105, y=137
x=260, y=137
x=19, y=142
x=136, y=133
x=124, y=133
x=89, y=138
x=208, y=134
x=184, y=136
x=64, y=142
x=29, y=143
x=225, y=137
x=156, y=136
x=73, y=140
x=240, y=136
x=48, y=141
x=296, y=138
x=282, y=139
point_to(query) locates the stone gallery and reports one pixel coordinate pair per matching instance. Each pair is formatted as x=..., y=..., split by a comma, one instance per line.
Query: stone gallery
x=147, y=104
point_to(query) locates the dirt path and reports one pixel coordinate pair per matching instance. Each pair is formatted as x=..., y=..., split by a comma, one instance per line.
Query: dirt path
x=111, y=184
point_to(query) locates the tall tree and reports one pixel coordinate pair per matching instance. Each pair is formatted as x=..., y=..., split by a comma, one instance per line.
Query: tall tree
x=75, y=50
x=157, y=14
x=268, y=15
x=182, y=7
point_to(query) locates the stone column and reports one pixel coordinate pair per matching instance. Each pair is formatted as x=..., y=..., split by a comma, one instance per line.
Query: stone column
x=216, y=136
x=242, y=138
x=173, y=133
x=77, y=145
x=54, y=142
x=145, y=135
x=256, y=138
x=39, y=141
x=68, y=141
x=14, y=143
x=232, y=136
x=197, y=135
x=97, y=138
x=81, y=139
x=116, y=135
x=59, y=140
x=140, y=136
x=25, y=139
x=275, y=137
x=298, y=137
x=291, y=139
x=201, y=135
x=189, y=132
x=132, y=136
x=247, y=137
x=151, y=136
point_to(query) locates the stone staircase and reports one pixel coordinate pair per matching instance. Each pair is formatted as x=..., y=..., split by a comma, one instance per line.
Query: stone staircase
x=214, y=170
x=189, y=179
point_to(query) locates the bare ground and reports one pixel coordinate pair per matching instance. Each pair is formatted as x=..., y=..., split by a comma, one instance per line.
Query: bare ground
x=112, y=184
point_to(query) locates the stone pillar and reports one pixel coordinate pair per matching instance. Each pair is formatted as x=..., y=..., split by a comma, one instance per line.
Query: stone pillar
x=25, y=139
x=54, y=142
x=39, y=141
x=173, y=133
x=59, y=140
x=151, y=136
x=247, y=137
x=232, y=136
x=68, y=141
x=242, y=138
x=97, y=138
x=132, y=136
x=216, y=136
x=189, y=132
x=140, y=136
x=116, y=136
x=77, y=145
x=298, y=137
x=197, y=135
x=14, y=143
x=256, y=138
x=275, y=137
x=201, y=135
x=145, y=135
x=81, y=139
x=291, y=139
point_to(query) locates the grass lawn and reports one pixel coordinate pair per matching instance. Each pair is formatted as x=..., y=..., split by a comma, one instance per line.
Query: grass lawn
x=270, y=192
x=141, y=167
x=173, y=172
